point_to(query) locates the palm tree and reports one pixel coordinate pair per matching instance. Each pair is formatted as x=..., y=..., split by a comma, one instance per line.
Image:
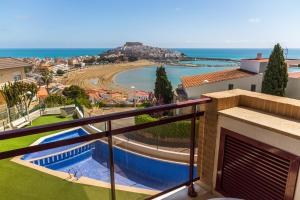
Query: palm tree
x=47, y=78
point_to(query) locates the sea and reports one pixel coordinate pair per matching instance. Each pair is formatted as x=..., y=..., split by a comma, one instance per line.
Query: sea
x=235, y=54
x=144, y=78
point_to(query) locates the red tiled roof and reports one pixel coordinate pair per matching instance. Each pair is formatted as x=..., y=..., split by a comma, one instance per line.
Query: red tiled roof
x=141, y=93
x=6, y=63
x=201, y=79
x=2, y=101
x=42, y=93
x=294, y=75
x=258, y=60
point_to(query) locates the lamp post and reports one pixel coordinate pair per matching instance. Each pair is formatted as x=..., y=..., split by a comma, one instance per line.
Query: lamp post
x=28, y=93
x=133, y=95
x=286, y=52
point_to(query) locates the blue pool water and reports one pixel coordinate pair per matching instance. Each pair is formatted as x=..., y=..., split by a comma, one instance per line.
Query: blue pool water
x=144, y=78
x=130, y=169
x=66, y=135
x=294, y=69
x=91, y=160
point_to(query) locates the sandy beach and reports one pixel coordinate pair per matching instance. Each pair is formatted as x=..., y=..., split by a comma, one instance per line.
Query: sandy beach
x=101, y=76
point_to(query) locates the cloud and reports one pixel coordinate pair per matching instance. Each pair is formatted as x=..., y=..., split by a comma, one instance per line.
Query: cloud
x=254, y=20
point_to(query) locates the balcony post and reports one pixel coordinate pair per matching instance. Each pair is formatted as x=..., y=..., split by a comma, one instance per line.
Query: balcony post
x=111, y=162
x=191, y=189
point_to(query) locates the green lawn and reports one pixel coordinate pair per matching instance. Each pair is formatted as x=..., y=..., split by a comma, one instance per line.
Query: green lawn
x=22, y=183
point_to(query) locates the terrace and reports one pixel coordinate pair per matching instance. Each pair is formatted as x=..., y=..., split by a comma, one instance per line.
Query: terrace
x=238, y=136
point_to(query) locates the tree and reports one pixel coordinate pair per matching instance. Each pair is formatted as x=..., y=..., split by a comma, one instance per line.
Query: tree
x=55, y=100
x=78, y=95
x=163, y=91
x=25, y=92
x=276, y=75
x=10, y=98
x=20, y=95
x=60, y=72
x=47, y=78
x=132, y=58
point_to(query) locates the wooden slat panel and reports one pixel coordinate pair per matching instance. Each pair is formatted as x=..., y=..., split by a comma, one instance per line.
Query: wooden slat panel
x=269, y=156
x=252, y=170
x=258, y=174
x=256, y=162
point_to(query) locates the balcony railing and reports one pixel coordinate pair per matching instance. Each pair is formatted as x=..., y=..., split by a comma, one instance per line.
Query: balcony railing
x=195, y=113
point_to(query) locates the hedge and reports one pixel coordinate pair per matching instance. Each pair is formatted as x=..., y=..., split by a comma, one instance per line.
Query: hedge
x=179, y=129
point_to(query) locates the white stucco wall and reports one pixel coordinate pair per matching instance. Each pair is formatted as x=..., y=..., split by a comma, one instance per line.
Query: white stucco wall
x=293, y=88
x=278, y=140
x=241, y=83
x=250, y=65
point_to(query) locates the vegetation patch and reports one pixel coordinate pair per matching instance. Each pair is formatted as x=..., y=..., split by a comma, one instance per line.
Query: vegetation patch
x=180, y=129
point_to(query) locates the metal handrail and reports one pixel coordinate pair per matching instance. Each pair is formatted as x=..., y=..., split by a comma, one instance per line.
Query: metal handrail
x=98, y=119
x=110, y=132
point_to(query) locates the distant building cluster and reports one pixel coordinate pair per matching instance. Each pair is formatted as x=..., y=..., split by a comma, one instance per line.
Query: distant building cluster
x=113, y=97
x=132, y=51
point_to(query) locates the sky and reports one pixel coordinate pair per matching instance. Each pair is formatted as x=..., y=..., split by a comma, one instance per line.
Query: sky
x=163, y=23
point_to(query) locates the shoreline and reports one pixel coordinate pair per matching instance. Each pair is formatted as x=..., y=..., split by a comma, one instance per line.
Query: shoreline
x=102, y=77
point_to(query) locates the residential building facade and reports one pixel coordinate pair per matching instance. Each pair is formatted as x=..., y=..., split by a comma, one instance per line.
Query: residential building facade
x=248, y=77
x=12, y=69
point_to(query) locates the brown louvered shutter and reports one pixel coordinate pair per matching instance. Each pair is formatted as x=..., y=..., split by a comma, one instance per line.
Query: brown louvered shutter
x=251, y=170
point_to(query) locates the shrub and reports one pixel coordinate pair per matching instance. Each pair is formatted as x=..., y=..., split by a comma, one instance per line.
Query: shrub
x=100, y=104
x=132, y=58
x=78, y=95
x=180, y=129
x=60, y=72
x=145, y=104
x=55, y=100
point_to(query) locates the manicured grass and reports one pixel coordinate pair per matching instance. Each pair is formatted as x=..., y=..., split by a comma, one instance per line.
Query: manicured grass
x=22, y=183
x=26, y=141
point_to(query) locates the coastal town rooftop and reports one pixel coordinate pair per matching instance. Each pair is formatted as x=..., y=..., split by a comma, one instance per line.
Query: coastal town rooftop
x=7, y=62
x=201, y=79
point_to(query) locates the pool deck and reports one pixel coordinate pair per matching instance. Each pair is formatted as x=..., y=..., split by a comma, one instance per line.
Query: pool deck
x=81, y=180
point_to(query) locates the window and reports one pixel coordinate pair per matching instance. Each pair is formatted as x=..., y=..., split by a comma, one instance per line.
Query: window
x=230, y=86
x=17, y=77
x=253, y=87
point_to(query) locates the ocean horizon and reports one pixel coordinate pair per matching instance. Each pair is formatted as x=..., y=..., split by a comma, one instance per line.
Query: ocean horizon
x=224, y=53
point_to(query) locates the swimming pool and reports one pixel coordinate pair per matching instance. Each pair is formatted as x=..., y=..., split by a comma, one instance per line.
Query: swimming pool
x=294, y=69
x=72, y=133
x=131, y=169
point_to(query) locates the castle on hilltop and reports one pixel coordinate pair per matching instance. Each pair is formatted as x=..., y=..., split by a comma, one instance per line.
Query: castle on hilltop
x=133, y=44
